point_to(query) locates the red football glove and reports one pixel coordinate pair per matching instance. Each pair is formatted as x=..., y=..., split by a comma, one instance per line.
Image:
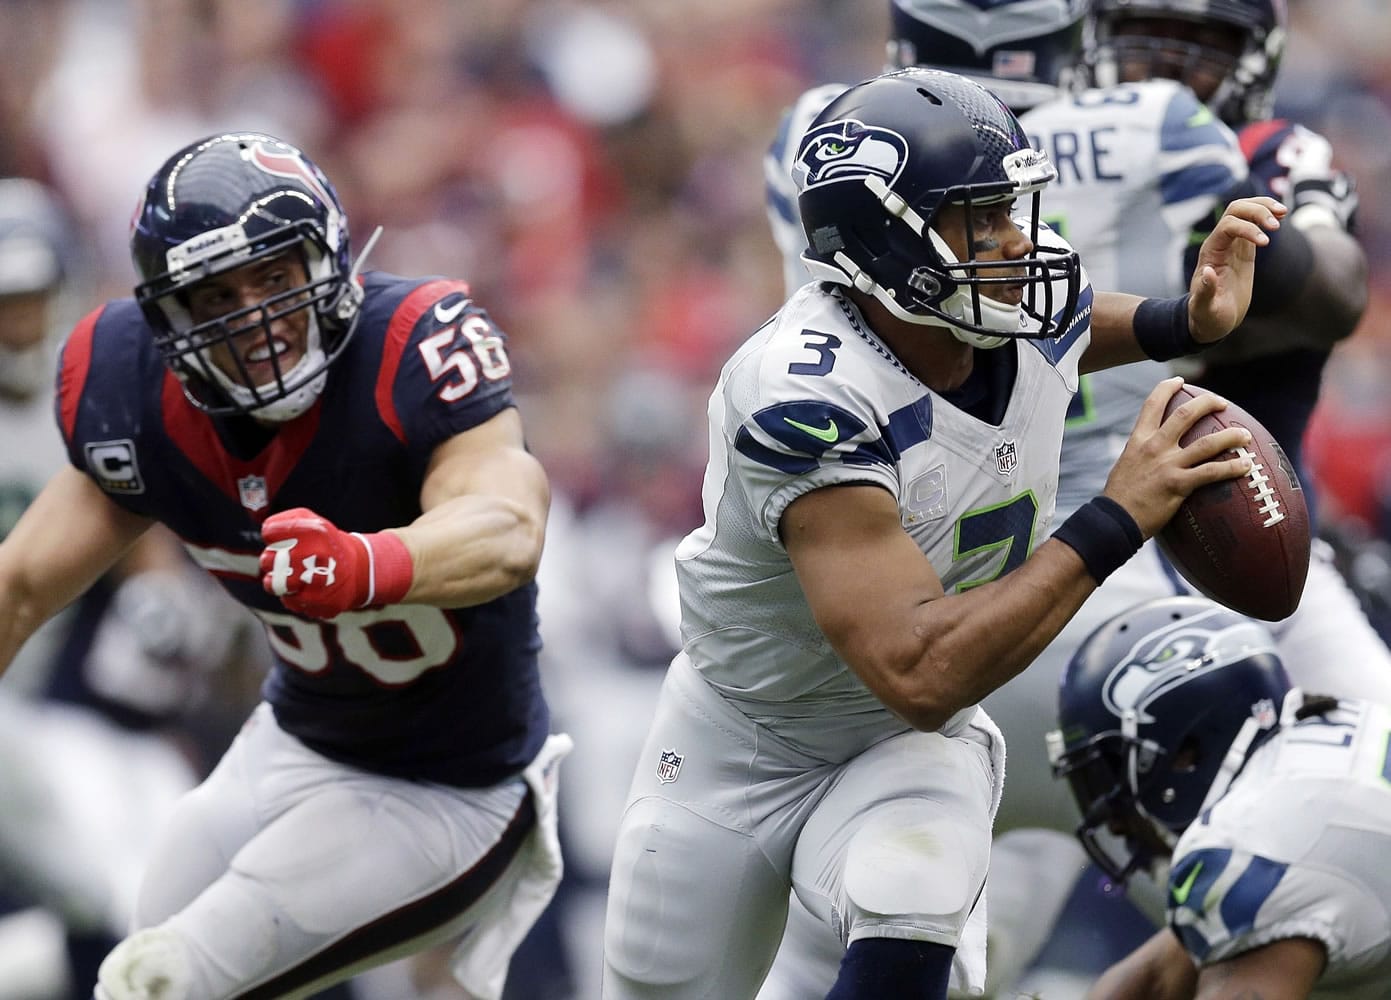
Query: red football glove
x=320, y=571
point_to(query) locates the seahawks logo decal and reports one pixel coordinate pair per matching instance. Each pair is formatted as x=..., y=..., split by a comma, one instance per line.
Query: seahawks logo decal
x=1170, y=655
x=849, y=150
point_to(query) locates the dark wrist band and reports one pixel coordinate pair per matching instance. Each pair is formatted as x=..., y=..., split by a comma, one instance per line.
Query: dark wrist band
x=1161, y=329
x=1103, y=534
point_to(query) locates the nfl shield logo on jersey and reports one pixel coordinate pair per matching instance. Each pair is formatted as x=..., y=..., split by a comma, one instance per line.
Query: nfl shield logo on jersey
x=669, y=766
x=1006, y=457
x=252, y=491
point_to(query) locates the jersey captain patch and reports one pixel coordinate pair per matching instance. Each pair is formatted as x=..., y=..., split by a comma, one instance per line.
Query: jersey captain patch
x=114, y=465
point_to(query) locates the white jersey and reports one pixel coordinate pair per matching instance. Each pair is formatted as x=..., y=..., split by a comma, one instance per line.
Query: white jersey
x=1297, y=847
x=813, y=399
x=1139, y=165
x=780, y=190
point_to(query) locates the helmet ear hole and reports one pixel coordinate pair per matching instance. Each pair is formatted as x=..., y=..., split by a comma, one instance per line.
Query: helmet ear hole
x=873, y=234
x=1188, y=756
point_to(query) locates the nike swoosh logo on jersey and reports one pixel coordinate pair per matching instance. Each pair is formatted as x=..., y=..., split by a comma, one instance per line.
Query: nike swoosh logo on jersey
x=449, y=315
x=1200, y=117
x=1182, y=890
x=829, y=433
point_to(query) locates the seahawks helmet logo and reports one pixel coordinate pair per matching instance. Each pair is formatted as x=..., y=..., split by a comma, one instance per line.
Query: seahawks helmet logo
x=849, y=150
x=1171, y=656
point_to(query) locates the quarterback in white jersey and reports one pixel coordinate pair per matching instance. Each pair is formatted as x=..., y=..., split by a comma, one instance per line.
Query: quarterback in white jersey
x=1269, y=809
x=882, y=472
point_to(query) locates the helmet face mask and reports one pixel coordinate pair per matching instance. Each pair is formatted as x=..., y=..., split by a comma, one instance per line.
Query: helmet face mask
x=875, y=172
x=1227, y=51
x=224, y=206
x=1150, y=708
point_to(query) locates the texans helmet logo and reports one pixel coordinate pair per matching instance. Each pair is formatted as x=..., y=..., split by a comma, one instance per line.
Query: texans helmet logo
x=1171, y=655
x=279, y=164
x=849, y=150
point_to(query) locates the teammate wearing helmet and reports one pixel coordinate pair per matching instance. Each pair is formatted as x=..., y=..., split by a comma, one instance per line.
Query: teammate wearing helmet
x=342, y=452
x=1025, y=58
x=883, y=462
x=1150, y=162
x=1141, y=165
x=1264, y=810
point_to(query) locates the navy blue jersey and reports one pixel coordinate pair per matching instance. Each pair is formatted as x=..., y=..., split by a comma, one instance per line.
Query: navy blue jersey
x=446, y=695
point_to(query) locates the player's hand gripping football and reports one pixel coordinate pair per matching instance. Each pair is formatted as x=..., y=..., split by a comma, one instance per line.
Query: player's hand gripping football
x=320, y=571
x=1155, y=473
x=1220, y=291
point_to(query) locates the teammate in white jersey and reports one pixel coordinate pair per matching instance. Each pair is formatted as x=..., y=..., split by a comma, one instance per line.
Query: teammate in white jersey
x=1180, y=735
x=1140, y=165
x=1143, y=161
x=882, y=471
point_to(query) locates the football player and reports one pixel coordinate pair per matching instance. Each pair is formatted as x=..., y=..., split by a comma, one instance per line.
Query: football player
x=883, y=459
x=1151, y=156
x=341, y=451
x=1265, y=810
x=1141, y=165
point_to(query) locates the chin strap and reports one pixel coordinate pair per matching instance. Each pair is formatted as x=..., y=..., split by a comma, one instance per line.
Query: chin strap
x=1253, y=732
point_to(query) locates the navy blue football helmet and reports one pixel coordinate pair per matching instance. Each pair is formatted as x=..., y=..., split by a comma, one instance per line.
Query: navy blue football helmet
x=1024, y=51
x=875, y=168
x=1148, y=708
x=1118, y=38
x=219, y=204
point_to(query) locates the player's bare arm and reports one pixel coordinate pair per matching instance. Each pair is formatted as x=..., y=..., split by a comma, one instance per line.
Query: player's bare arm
x=1159, y=969
x=1282, y=970
x=485, y=500
x=927, y=654
x=1327, y=309
x=1219, y=293
x=68, y=537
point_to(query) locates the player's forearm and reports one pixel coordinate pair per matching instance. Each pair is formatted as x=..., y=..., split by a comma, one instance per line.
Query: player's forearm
x=1158, y=970
x=472, y=549
x=1113, y=332
x=67, y=538
x=1332, y=300
x=973, y=642
x=21, y=618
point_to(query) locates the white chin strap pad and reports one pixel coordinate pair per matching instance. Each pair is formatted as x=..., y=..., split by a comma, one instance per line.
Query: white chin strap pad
x=300, y=399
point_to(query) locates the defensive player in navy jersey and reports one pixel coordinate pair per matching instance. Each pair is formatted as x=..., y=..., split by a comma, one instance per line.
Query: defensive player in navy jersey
x=342, y=452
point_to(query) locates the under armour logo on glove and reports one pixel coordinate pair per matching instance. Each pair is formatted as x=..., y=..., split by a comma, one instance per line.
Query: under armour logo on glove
x=321, y=571
x=283, y=567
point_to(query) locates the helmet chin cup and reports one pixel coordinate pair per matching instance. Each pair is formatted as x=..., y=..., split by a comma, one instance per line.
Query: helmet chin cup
x=979, y=340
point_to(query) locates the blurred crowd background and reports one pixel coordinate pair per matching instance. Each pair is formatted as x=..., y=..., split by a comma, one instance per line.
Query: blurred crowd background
x=593, y=170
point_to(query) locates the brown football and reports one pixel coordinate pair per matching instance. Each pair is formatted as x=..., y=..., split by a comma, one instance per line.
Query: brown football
x=1242, y=542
